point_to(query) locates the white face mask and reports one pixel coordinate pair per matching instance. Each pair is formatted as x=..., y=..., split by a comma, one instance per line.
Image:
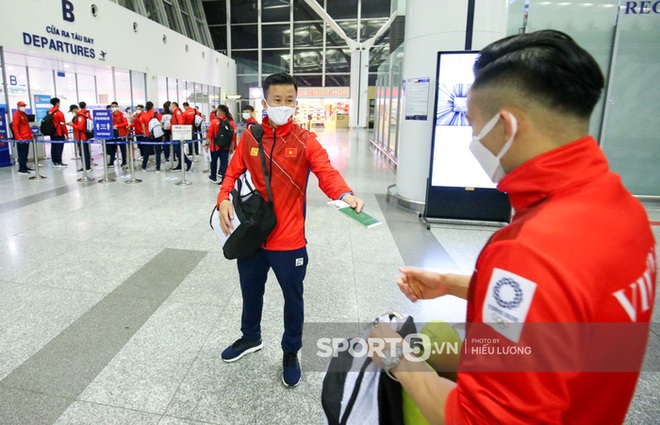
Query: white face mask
x=280, y=115
x=22, y=108
x=115, y=109
x=488, y=161
x=246, y=115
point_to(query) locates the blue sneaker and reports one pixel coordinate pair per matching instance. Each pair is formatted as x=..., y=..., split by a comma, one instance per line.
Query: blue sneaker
x=291, y=372
x=240, y=348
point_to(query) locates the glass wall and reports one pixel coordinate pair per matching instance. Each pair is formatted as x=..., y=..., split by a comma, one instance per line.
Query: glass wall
x=624, y=41
x=294, y=39
x=388, y=96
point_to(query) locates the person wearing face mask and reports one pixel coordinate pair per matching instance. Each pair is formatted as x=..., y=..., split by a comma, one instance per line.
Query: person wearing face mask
x=291, y=153
x=20, y=126
x=568, y=282
x=61, y=132
x=248, y=116
x=120, y=126
x=177, y=119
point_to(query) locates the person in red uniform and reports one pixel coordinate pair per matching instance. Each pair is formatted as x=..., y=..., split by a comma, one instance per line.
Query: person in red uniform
x=292, y=153
x=189, y=115
x=120, y=126
x=79, y=124
x=178, y=119
x=146, y=118
x=20, y=127
x=217, y=152
x=248, y=116
x=576, y=266
x=138, y=130
x=61, y=133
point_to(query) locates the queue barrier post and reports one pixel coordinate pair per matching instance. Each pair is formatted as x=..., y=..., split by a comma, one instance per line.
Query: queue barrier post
x=182, y=162
x=85, y=178
x=106, y=178
x=130, y=148
x=36, y=176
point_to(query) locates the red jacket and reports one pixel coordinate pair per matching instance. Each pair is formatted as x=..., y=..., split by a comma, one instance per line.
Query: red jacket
x=296, y=153
x=571, y=280
x=189, y=116
x=177, y=117
x=59, y=121
x=79, y=124
x=119, y=120
x=138, y=125
x=146, y=116
x=250, y=122
x=212, y=133
x=20, y=126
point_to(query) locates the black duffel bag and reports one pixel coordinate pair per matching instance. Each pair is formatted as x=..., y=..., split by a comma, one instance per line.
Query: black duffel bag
x=256, y=215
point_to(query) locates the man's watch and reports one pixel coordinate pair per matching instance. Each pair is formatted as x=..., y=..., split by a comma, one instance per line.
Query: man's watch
x=390, y=362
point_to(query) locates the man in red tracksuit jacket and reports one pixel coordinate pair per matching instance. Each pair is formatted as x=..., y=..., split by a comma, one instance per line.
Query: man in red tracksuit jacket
x=189, y=115
x=61, y=133
x=559, y=305
x=146, y=118
x=79, y=124
x=291, y=153
x=178, y=119
x=20, y=127
x=120, y=126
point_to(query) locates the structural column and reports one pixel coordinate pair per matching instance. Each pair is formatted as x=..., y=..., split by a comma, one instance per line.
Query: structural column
x=359, y=87
x=433, y=26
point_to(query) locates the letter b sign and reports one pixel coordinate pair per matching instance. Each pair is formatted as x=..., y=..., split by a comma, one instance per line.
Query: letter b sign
x=67, y=11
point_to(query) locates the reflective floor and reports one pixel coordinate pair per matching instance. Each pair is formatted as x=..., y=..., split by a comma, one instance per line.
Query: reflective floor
x=116, y=301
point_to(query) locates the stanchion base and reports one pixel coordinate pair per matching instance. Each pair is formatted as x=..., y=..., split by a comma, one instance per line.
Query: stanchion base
x=36, y=177
x=183, y=183
x=85, y=179
x=75, y=158
x=132, y=181
x=107, y=180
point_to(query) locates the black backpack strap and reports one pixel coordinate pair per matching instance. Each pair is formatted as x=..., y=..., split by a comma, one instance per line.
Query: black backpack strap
x=257, y=133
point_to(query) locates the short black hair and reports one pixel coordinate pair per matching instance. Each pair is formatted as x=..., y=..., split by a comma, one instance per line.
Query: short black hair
x=83, y=105
x=280, y=79
x=114, y=103
x=72, y=107
x=186, y=104
x=547, y=66
x=150, y=105
x=139, y=106
x=248, y=108
x=54, y=101
x=175, y=104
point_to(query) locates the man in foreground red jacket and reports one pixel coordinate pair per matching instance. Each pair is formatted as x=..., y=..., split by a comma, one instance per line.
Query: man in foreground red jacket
x=20, y=127
x=560, y=301
x=291, y=153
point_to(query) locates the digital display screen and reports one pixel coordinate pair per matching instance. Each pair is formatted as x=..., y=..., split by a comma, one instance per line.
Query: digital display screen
x=453, y=165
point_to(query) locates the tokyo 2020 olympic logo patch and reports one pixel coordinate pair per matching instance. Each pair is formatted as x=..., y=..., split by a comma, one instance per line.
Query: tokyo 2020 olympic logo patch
x=507, y=293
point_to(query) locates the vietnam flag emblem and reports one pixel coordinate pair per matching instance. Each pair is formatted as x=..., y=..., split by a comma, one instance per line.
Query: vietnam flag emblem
x=291, y=152
x=254, y=152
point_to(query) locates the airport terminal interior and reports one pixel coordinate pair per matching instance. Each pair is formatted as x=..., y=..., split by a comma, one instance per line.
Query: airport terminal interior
x=115, y=298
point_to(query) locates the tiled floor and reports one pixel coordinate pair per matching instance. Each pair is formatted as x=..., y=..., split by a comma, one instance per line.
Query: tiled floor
x=115, y=300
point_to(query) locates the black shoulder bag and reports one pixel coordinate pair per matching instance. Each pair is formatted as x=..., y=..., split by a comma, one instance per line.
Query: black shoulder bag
x=257, y=216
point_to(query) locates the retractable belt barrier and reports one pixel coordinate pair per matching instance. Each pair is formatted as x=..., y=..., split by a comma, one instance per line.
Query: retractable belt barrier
x=115, y=142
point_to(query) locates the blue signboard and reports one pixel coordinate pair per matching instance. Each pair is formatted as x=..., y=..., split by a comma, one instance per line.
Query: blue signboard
x=5, y=159
x=103, y=124
x=41, y=106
